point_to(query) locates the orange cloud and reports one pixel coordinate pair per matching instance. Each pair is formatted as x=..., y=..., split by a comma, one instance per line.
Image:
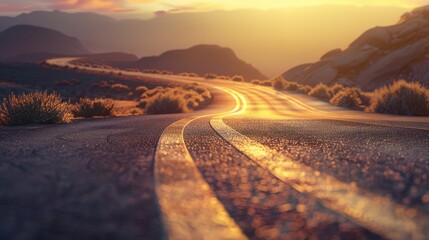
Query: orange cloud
x=95, y=5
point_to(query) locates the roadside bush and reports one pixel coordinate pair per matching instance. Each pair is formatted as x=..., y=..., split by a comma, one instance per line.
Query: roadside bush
x=166, y=104
x=349, y=98
x=238, y=78
x=267, y=83
x=321, y=91
x=98, y=107
x=36, y=107
x=101, y=85
x=291, y=86
x=223, y=77
x=337, y=88
x=278, y=83
x=256, y=81
x=401, y=98
x=210, y=76
x=304, y=89
x=193, y=75
x=120, y=88
x=140, y=90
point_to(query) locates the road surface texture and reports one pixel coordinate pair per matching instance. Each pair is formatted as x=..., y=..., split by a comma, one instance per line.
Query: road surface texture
x=255, y=164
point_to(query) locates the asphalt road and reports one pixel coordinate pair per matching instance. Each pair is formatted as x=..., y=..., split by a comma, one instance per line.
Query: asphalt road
x=255, y=164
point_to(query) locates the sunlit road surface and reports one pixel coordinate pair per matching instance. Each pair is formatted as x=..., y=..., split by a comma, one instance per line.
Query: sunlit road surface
x=256, y=164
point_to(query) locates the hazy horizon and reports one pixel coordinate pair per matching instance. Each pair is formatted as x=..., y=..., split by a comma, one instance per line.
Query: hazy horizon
x=273, y=40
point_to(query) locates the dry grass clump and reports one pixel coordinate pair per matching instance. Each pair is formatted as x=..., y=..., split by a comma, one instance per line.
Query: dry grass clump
x=256, y=82
x=35, y=107
x=224, y=77
x=349, y=98
x=152, y=71
x=140, y=90
x=98, y=107
x=120, y=88
x=101, y=85
x=401, y=98
x=278, y=83
x=238, y=78
x=166, y=104
x=292, y=86
x=193, y=75
x=337, y=88
x=192, y=96
x=210, y=76
x=321, y=91
x=304, y=89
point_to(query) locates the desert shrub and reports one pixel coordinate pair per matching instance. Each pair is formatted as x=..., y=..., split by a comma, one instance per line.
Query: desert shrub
x=349, y=98
x=184, y=74
x=167, y=103
x=101, y=85
x=304, y=89
x=321, y=91
x=210, y=76
x=36, y=107
x=267, y=83
x=193, y=75
x=167, y=73
x=278, y=83
x=192, y=95
x=256, y=81
x=401, y=98
x=140, y=90
x=238, y=78
x=366, y=98
x=120, y=88
x=337, y=88
x=291, y=86
x=224, y=77
x=152, y=92
x=87, y=107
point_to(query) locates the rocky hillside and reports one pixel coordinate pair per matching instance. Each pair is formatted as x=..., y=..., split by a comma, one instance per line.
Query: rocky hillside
x=378, y=57
x=200, y=59
x=26, y=40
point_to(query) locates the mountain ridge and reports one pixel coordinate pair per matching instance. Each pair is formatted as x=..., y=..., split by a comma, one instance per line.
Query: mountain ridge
x=22, y=40
x=376, y=58
x=200, y=59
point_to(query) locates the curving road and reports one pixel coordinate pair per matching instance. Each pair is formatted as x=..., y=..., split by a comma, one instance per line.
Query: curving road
x=255, y=164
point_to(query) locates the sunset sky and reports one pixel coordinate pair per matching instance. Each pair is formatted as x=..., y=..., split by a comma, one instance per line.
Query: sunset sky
x=147, y=8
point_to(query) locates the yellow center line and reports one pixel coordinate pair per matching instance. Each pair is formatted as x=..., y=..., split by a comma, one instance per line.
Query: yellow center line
x=190, y=209
x=378, y=213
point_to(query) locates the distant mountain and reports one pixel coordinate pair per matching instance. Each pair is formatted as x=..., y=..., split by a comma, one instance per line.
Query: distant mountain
x=272, y=40
x=25, y=40
x=200, y=59
x=378, y=57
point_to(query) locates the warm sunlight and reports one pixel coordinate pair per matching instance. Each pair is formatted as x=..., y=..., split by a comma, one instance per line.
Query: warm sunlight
x=214, y=119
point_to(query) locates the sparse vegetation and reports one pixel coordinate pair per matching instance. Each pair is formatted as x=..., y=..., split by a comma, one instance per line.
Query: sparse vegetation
x=401, y=98
x=210, y=76
x=321, y=91
x=140, y=90
x=238, y=78
x=192, y=96
x=256, y=81
x=36, y=107
x=166, y=103
x=98, y=107
x=278, y=83
x=121, y=88
x=349, y=98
